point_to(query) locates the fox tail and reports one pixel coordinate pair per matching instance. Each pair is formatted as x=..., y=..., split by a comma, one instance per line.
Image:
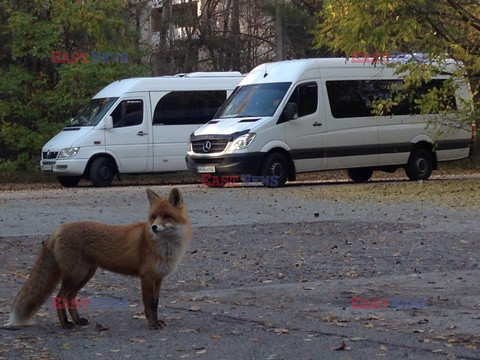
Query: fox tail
x=43, y=278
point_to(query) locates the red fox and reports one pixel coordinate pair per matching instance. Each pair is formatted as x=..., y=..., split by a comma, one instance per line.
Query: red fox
x=73, y=252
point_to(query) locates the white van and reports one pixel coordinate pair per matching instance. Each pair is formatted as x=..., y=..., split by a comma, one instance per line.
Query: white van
x=315, y=114
x=136, y=126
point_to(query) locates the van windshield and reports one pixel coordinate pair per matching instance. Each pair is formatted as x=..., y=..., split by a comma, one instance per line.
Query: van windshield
x=95, y=110
x=254, y=100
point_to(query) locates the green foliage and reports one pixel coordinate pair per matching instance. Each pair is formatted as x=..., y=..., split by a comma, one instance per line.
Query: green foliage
x=38, y=96
x=445, y=29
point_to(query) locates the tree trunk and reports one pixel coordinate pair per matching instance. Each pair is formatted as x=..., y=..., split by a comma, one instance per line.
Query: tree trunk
x=279, y=30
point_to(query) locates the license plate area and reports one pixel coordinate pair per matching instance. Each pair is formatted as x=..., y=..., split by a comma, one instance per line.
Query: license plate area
x=206, y=169
x=47, y=165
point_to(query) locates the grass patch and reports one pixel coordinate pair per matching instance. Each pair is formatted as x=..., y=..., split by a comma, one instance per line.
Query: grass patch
x=458, y=194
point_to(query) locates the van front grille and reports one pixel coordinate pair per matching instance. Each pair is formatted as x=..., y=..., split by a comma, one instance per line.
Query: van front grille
x=209, y=146
x=49, y=154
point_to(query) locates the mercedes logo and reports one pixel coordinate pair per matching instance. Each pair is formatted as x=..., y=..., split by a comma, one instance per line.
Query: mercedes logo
x=207, y=145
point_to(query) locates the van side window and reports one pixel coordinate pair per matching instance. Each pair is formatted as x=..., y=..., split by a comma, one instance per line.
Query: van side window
x=188, y=107
x=355, y=98
x=306, y=98
x=128, y=113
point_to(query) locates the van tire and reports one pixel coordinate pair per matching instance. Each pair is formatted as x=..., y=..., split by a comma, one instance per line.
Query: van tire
x=420, y=165
x=102, y=172
x=360, y=175
x=69, y=181
x=275, y=164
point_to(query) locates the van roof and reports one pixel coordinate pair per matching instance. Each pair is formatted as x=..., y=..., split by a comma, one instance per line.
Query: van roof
x=288, y=70
x=190, y=81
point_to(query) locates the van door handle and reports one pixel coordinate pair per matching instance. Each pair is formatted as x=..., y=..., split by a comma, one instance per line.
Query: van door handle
x=141, y=133
x=317, y=124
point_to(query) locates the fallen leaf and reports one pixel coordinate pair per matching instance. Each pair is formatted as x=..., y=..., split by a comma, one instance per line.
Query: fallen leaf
x=66, y=346
x=330, y=318
x=187, y=331
x=137, y=340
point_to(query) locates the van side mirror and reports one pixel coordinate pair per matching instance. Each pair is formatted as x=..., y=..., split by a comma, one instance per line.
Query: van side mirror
x=290, y=112
x=108, y=122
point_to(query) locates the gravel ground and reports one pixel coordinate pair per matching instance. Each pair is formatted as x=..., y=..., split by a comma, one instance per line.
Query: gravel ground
x=270, y=274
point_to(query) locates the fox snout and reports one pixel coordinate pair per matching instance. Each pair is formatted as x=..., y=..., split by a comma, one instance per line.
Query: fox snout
x=159, y=228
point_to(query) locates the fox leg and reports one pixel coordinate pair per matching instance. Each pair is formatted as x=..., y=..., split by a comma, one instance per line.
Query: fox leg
x=68, y=291
x=61, y=313
x=150, y=293
x=156, y=295
x=73, y=294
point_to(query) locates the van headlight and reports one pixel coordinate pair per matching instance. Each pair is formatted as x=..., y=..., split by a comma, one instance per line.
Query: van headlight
x=242, y=141
x=68, y=153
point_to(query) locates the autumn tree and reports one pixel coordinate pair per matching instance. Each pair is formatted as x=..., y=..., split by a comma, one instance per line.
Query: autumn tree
x=438, y=29
x=38, y=92
x=223, y=35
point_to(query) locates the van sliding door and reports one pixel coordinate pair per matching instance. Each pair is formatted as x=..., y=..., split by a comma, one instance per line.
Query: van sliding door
x=352, y=139
x=129, y=138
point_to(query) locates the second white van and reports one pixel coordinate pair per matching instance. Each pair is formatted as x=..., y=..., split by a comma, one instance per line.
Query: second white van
x=316, y=114
x=136, y=126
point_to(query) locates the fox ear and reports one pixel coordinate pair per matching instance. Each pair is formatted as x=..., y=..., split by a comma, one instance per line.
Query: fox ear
x=175, y=198
x=152, y=197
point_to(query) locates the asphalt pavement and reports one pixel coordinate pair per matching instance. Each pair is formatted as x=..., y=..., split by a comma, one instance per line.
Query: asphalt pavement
x=270, y=274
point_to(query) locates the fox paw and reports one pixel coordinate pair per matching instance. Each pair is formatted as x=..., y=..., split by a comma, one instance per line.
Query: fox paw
x=68, y=325
x=83, y=322
x=157, y=325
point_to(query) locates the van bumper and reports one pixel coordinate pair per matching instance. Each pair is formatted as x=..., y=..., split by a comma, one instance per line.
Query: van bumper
x=241, y=164
x=64, y=167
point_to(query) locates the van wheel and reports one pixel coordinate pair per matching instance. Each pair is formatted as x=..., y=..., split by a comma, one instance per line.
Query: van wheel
x=360, y=175
x=69, y=181
x=275, y=165
x=420, y=165
x=102, y=172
